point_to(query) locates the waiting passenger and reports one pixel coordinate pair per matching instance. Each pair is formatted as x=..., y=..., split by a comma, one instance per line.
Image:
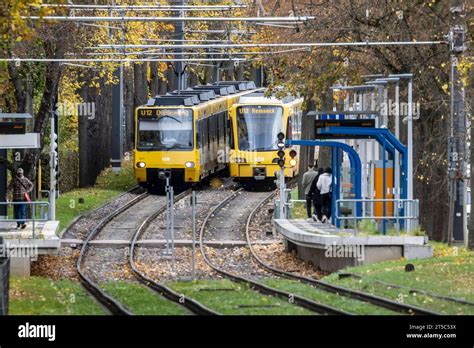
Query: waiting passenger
x=315, y=193
x=325, y=186
x=21, y=187
x=308, y=178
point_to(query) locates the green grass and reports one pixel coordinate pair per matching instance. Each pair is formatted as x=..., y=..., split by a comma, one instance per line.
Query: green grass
x=108, y=186
x=41, y=296
x=343, y=303
x=141, y=300
x=451, y=276
x=230, y=298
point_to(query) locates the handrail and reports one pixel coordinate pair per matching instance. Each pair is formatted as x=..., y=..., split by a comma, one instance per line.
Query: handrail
x=399, y=203
x=43, y=217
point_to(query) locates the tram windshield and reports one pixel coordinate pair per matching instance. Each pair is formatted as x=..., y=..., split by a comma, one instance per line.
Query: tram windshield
x=169, y=129
x=258, y=127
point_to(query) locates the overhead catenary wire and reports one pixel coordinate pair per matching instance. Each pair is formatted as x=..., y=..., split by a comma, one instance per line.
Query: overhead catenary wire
x=264, y=45
x=143, y=7
x=117, y=60
x=167, y=19
x=156, y=52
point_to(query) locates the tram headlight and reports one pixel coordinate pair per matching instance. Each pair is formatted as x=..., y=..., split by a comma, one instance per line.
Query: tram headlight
x=189, y=164
x=141, y=164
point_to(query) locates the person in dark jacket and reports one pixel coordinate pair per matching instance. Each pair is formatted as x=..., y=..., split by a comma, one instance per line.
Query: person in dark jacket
x=315, y=193
x=20, y=186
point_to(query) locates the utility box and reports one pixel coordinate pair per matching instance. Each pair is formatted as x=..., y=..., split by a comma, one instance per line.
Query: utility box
x=4, y=279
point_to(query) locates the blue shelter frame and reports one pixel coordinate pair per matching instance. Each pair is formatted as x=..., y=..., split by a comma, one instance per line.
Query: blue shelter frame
x=356, y=170
x=389, y=144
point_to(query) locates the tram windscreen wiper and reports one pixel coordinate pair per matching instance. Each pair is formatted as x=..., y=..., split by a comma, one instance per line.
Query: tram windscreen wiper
x=175, y=146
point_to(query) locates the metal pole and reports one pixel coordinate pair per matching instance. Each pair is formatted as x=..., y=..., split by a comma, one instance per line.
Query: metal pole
x=179, y=52
x=168, y=200
x=52, y=173
x=282, y=193
x=173, y=256
x=117, y=115
x=410, y=147
x=3, y=184
x=193, y=197
x=397, y=154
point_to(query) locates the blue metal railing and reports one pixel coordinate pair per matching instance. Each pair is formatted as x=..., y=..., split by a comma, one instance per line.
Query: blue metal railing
x=403, y=210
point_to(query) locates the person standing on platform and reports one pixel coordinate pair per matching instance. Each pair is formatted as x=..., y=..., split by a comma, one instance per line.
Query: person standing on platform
x=308, y=178
x=315, y=193
x=21, y=187
x=325, y=187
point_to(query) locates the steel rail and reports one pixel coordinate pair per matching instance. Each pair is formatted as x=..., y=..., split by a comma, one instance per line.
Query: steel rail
x=94, y=289
x=358, y=295
x=411, y=290
x=82, y=216
x=262, y=288
x=189, y=303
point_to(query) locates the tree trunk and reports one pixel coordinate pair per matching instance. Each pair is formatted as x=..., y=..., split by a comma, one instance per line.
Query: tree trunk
x=239, y=72
x=163, y=87
x=129, y=110
x=48, y=101
x=140, y=83
x=154, y=79
x=95, y=134
x=170, y=77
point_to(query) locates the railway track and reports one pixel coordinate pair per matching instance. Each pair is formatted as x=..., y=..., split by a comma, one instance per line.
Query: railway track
x=354, y=294
x=255, y=285
x=191, y=304
x=114, y=306
x=106, y=228
x=410, y=290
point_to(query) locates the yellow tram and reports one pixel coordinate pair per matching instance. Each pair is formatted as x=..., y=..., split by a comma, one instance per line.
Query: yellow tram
x=256, y=121
x=184, y=136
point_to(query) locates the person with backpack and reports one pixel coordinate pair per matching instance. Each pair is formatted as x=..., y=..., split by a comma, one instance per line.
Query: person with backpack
x=21, y=187
x=315, y=194
x=325, y=186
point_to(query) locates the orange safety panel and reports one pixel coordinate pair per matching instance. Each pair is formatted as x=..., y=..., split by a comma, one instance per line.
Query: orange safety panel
x=378, y=181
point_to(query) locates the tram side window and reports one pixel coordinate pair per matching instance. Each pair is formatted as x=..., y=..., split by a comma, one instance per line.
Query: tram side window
x=223, y=118
x=205, y=132
x=212, y=125
x=198, y=135
x=231, y=134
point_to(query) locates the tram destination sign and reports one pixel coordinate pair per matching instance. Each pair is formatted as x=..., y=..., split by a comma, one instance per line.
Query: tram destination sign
x=322, y=124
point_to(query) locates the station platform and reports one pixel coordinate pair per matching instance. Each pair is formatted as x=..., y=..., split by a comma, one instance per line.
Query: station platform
x=23, y=247
x=331, y=249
